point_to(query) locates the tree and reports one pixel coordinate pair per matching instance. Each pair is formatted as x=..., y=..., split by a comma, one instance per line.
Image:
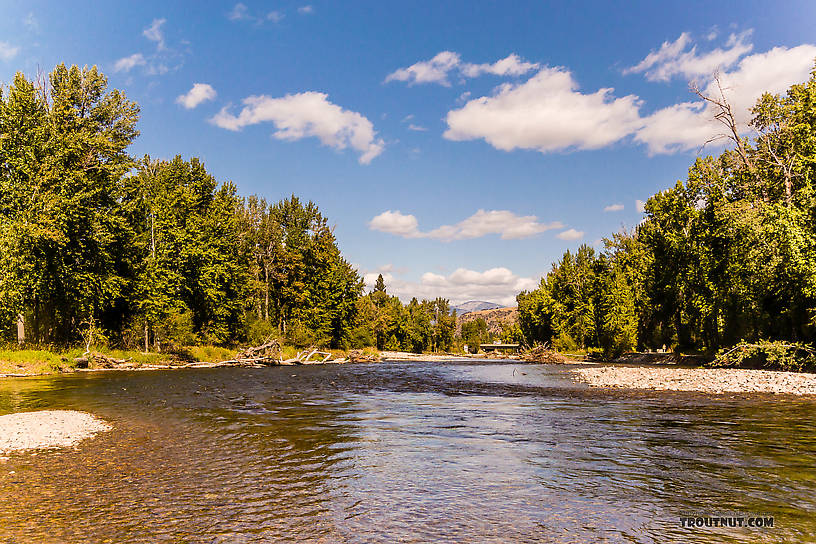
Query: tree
x=64, y=241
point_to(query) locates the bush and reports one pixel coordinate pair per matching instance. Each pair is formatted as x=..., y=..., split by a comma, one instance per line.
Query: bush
x=260, y=331
x=177, y=329
x=564, y=343
x=789, y=356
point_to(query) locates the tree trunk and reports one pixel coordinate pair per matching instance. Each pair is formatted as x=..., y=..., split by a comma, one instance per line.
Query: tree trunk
x=266, y=292
x=20, y=329
x=147, y=347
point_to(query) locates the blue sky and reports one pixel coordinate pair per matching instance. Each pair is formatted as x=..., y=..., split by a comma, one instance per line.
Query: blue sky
x=459, y=147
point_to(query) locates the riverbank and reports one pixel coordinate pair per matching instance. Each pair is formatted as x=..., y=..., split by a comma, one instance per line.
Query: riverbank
x=705, y=380
x=409, y=356
x=47, y=429
x=17, y=363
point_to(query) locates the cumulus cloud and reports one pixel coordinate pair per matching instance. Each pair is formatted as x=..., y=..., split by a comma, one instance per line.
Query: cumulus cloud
x=546, y=113
x=430, y=71
x=445, y=63
x=201, y=92
x=571, y=234
x=275, y=16
x=397, y=223
x=509, y=66
x=549, y=113
x=482, y=223
x=613, y=208
x=154, y=33
x=417, y=128
x=497, y=285
x=8, y=51
x=677, y=59
x=307, y=114
x=126, y=64
x=306, y=10
x=688, y=125
x=640, y=205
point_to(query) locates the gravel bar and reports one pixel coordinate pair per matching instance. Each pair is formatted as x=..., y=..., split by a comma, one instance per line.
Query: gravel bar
x=707, y=380
x=47, y=429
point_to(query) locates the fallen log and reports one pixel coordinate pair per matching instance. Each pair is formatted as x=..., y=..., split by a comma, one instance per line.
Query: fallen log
x=98, y=359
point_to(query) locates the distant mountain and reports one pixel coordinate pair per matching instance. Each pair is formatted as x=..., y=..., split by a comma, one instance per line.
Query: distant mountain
x=474, y=306
x=495, y=319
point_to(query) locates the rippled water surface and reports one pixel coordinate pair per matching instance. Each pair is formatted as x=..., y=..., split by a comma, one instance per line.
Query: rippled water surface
x=405, y=452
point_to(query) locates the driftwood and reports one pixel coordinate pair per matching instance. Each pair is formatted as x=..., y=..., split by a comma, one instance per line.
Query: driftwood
x=268, y=350
x=99, y=360
x=357, y=356
x=543, y=354
x=269, y=354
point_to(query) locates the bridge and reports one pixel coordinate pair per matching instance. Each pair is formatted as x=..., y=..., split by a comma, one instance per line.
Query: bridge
x=499, y=347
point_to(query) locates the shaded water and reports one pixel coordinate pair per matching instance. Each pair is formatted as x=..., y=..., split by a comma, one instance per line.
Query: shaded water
x=405, y=452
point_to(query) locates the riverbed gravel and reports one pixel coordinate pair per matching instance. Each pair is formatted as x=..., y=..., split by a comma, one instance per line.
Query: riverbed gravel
x=47, y=429
x=707, y=380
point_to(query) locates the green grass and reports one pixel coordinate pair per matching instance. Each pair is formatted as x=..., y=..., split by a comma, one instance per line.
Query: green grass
x=32, y=361
x=210, y=354
x=50, y=361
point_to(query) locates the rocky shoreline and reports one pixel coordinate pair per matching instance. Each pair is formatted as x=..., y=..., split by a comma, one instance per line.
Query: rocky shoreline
x=45, y=429
x=705, y=380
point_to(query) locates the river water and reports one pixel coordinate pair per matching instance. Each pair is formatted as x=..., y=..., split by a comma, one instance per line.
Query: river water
x=405, y=452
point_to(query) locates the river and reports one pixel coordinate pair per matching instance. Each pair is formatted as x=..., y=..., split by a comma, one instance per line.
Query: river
x=405, y=452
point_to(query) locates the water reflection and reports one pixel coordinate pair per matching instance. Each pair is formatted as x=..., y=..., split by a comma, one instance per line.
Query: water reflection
x=405, y=452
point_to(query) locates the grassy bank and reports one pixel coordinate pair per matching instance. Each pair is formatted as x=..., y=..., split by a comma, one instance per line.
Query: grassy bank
x=54, y=360
x=36, y=361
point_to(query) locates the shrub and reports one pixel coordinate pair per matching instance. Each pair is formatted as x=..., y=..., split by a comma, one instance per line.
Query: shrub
x=564, y=343
x=789, y=356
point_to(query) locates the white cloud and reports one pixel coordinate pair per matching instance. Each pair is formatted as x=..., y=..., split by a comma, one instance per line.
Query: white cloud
x=396, y=223
x=306, y=10
x=275, y=16
x=307, y=114
x=512, y=65
x=416, y=128
x=613, y=208
x=482, y=223
x=125, y=64
x=546, y=113
x=430, y=71
x=8, y=51
x=497, y=285
x=640, y=206
x=675, y=59
x=154, y=33
x=239, y=12
x=201, y=92
x=571, y=234
x=31, y=22
x=443, y=64
x=688, y=125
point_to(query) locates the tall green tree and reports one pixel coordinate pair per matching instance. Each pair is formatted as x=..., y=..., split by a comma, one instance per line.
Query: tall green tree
x=63, y=238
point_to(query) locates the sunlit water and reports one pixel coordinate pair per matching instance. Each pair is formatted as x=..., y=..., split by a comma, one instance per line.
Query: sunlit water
x=405, y=452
